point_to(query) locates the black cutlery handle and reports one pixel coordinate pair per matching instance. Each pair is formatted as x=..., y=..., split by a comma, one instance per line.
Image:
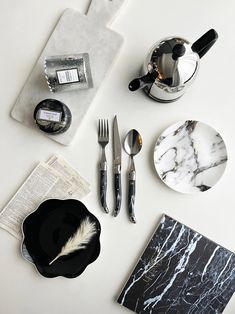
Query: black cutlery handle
x=118, y=193
x=103, y=189
x=131, y=200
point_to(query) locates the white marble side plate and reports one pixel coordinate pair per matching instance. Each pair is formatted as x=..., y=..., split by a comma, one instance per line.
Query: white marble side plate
x=190, y=156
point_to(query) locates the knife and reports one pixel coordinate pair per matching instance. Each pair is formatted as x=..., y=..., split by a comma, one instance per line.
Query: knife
x=117, y=159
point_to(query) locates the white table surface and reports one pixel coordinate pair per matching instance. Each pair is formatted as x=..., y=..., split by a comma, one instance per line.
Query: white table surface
x=25, y=27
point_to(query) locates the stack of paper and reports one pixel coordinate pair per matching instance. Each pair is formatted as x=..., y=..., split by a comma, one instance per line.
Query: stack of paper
x=53, y=179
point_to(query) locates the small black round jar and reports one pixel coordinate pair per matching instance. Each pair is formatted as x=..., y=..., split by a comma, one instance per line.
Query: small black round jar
x=52, y=116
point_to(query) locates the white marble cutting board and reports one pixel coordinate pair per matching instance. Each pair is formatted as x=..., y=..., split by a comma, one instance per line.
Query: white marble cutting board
x=74, y=33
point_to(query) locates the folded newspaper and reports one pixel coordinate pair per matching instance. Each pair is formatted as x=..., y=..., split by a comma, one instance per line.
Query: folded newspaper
x=53, y=179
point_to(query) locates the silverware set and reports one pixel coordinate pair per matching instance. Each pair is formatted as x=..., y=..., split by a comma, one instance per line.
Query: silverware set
x=132, y=146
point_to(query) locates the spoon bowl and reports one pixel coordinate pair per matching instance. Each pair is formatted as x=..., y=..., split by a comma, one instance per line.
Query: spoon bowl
x=133, y=143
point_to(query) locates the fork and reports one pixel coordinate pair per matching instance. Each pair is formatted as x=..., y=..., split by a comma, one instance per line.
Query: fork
x=103, y=139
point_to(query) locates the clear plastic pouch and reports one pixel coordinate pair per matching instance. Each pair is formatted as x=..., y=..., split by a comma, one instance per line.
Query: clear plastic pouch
x=68, y=72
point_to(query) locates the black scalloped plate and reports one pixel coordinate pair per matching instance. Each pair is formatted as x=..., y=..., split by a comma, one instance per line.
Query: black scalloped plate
x=48, y=228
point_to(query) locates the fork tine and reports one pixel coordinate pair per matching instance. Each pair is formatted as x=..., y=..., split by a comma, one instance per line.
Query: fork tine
x=107, y=128
x=102, y=128
x=99, y=128
x=105, y=131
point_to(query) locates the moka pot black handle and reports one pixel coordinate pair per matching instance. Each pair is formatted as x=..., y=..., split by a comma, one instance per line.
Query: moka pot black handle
x=205, y=42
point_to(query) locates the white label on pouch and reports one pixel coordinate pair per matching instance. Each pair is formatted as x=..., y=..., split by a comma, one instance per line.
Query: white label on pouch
x=68, y=76
x=50, y=115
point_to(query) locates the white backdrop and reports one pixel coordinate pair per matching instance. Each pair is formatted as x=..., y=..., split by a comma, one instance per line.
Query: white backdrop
x=25, y=27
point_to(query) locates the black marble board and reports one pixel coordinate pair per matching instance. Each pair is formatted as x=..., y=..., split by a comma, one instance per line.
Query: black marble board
x=180, y=272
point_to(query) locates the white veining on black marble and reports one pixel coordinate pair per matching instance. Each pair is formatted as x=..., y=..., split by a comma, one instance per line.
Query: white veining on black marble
x=190, y=156
x=180, y=271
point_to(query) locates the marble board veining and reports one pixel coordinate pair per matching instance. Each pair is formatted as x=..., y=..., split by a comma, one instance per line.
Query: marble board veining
x=190, y=156
x=180, y=272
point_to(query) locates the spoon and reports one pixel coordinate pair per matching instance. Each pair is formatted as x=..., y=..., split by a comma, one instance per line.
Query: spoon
x=132, y=146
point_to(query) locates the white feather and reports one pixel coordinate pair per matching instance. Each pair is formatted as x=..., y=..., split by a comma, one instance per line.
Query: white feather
x=79, y=240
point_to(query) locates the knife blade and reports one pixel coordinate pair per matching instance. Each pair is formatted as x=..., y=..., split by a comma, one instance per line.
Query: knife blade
x=117, y=161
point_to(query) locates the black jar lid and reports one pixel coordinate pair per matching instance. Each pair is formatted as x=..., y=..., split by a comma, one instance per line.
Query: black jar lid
x=52, y=116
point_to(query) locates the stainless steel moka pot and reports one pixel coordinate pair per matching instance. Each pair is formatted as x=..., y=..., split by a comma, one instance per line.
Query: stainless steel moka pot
x=171, y=66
